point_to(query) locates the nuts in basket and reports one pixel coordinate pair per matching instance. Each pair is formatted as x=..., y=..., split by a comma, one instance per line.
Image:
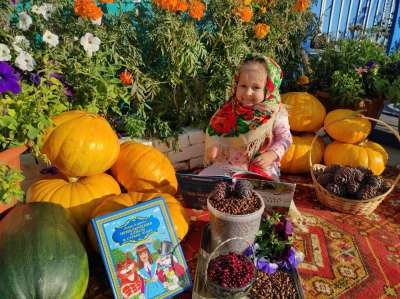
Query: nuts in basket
x=352, y=182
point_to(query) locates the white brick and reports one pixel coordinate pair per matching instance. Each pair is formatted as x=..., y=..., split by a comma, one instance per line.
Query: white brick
x=187, y=153
x=196, y=162
x=196, y=136
x=181, y=166
x=183, y=141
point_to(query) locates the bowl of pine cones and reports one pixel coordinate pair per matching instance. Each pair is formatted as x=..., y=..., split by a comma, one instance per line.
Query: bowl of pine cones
x=352, y=190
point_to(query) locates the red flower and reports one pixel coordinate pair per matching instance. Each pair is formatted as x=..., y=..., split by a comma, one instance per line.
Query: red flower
x=126, y=78
x=246, y=113
x=270, y=85
x=224, y=121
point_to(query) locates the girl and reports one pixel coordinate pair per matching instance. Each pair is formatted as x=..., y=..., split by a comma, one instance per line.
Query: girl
x=251, y=131
x=149, y=272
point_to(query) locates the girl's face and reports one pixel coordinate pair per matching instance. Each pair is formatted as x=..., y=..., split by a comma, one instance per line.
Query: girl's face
x=144, y=257
x=251, y=85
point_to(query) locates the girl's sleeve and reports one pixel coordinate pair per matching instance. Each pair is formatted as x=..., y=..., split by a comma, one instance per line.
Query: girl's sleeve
x=282, y=138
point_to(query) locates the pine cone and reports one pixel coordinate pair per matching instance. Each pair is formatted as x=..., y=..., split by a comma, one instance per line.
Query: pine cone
x=352, y=187
x=332, y=168
x=366, y=171
x=344, y=175
x=220, y=190
x=366, y=192
x=325, y=178
x=374, y=181
x=336, y=189
x=358, y=175
x=385, y=186
x=243, y=189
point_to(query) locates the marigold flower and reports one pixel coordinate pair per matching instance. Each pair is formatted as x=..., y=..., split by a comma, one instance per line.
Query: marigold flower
x=246, y=2
x=126, y=78
x=303, y=80
x=87, y=9
x=196, y=10
x=245, y=13
x=301, y=5
x=183, y=6
x=263, y=9
x=261, y=30
x=106, y=1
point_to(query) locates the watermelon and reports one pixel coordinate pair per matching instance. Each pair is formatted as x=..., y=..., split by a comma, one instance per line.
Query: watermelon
x=41, y=256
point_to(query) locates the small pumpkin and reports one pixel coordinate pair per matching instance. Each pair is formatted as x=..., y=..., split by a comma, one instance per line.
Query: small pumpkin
x=112, y=203
x=79, y=195
x=366, y=154
x=342, y=125
x=142, y=168
x=81, y=144
x=306, y=113
x=296, y=158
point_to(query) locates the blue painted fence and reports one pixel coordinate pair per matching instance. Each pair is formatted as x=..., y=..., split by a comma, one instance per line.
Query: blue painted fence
x=354, y=18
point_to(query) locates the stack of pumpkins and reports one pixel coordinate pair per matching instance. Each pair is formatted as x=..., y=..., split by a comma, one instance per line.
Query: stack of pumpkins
x=349, y=146
x=83, y=146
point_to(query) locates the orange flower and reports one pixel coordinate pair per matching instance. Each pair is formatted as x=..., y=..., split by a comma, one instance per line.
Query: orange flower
x=126, y=78
x=87, y=9
x=106, y=1
x=196, y=10
x=301, y=5
x=245, y=13
x=182, y=6
x=261, y=30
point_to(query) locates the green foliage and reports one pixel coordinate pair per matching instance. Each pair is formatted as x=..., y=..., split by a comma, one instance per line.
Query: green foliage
x=353, y=69
x=10, y=188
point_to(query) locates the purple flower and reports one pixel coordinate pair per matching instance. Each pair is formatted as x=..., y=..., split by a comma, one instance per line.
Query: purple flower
x=249, y=251
x=266, y=266
x=288, y=228
x=8, y=79
x=283, y=229
x=34, y=78
x=68, y=90
x=371, y=64
x=58, y=76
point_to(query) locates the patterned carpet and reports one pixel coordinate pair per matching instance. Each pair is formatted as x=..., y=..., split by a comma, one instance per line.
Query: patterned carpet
x=346, y=256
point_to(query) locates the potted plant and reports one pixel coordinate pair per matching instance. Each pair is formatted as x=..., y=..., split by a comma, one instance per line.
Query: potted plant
x=352, y=74
x=10, y=189
x=30, y=89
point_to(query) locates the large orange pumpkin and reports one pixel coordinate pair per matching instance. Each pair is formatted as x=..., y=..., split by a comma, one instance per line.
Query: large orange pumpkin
x=296, y=158
x=367, y=154
x=114, y=203
x=80, y=196
x=306, y=113
x=81, y=144
x=142, y=168
x=343, y=125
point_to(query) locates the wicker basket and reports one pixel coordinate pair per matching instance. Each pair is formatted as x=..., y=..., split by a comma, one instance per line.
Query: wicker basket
x=345, y=205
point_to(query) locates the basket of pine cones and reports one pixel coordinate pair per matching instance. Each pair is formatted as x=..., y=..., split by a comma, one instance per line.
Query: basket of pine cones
x=352, y=190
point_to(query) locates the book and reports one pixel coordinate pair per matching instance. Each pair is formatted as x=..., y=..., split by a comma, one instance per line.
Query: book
x=141, y=252
x=195, y=189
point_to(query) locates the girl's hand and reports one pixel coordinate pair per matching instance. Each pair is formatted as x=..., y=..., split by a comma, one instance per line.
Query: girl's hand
x=265, y=159
x=212, y=153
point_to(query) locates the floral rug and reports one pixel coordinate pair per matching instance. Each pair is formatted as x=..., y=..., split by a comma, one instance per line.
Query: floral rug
x=346, y=256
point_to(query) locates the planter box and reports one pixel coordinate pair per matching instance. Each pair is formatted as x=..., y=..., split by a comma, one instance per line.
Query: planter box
x=185, y=153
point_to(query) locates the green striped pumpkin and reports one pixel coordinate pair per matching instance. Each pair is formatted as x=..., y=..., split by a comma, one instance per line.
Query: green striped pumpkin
x=41, y=256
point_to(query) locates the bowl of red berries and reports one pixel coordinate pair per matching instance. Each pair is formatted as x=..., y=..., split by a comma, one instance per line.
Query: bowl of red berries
x=229, y=274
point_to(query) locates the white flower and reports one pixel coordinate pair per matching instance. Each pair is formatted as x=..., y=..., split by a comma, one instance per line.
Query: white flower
x=90, y=43
x=50, y=38
x=4, y=53
x=20, y=43
x=25, y=61
x=35, y=9
x=97, y=21
x=25, y=21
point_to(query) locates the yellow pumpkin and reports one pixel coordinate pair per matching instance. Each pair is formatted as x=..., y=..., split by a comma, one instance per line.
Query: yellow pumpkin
x=306, y=113
x=142, y=168
x=296, y=158
x=114, y=203
x=367, y=154
x=81, y=144
x=79, y=195
x=342, y=126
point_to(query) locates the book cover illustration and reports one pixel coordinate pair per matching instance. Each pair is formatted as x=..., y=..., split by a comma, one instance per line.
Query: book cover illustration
x=141, y=252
